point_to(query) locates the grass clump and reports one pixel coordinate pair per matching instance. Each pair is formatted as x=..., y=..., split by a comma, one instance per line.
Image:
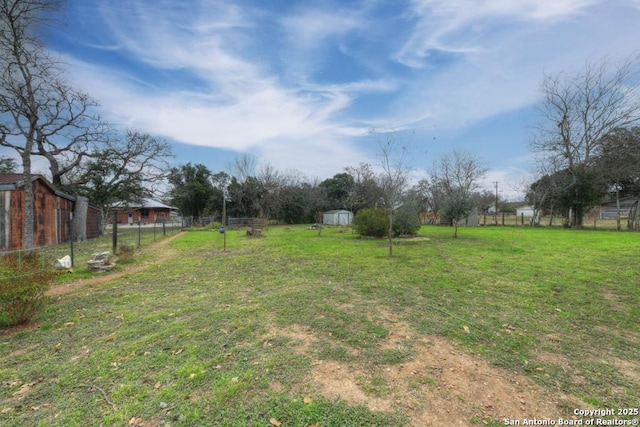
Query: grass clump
x=23, y=282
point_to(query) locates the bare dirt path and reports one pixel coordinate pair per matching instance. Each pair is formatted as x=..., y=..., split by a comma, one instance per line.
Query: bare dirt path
x=160, y=248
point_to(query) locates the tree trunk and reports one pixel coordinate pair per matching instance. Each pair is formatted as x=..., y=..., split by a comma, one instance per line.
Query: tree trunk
x=632, y=220
x=80, y=219
x=390, y=232
x=29, y=215
x=455, y=230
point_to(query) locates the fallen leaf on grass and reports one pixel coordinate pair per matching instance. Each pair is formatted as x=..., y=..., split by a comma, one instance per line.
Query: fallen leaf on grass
x=135, y=421
x=67, y=324
x=275, y=422
x=178, y=351
x=307, y=400
x=24, y=389
x=466, y=329
x=158, y=385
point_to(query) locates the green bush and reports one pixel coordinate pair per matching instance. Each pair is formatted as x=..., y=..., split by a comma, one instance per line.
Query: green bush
x=24, y=280
x=372, y=222
x=406, y=219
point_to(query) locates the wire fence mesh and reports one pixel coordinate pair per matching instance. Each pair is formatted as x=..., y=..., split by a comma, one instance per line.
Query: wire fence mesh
x=24, y=262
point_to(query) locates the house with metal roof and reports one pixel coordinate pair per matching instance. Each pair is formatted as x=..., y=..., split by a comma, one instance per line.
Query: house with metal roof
x=146, y=211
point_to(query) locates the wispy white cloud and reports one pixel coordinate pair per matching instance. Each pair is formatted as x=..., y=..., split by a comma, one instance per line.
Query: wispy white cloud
x=461, y=26
x=244, y=76
x=237, y=103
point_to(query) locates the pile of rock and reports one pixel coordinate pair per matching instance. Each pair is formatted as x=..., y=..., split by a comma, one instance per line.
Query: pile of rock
x=254, y=232
x=100, y=263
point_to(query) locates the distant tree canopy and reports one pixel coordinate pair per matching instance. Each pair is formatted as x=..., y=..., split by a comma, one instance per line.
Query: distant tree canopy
x=619, y=162
x=192, y=189
x=8, y=165
x=340, y=190
x=259, y=190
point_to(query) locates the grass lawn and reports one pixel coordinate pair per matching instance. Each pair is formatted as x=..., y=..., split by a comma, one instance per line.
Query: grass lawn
x=296, y=329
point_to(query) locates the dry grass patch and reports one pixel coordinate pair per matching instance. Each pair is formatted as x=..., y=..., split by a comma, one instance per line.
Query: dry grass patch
x=438, y=382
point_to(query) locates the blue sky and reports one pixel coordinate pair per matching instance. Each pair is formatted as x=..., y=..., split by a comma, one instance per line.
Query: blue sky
x=302, y=84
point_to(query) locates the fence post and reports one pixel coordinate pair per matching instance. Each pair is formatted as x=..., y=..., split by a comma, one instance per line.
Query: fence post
x=71, y=236
x=115, y=232
x=164, y=229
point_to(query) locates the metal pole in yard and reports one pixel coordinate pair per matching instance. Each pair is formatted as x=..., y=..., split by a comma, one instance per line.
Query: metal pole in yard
x=139, y=230
x=224, y=217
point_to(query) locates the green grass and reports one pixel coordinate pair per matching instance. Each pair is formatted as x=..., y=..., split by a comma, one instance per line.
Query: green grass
x=201, y=339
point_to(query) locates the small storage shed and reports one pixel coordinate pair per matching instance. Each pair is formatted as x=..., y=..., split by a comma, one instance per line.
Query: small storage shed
x=337, y=217
x=51, y=216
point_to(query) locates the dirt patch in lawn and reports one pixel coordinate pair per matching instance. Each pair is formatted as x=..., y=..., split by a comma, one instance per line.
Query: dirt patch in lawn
x=161, y=248
x=439, y=384
x=629, y=369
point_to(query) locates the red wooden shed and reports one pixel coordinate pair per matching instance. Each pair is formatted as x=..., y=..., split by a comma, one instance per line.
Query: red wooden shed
x=53, y=210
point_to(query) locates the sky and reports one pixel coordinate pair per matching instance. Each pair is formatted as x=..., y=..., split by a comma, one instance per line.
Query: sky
x=316, y=86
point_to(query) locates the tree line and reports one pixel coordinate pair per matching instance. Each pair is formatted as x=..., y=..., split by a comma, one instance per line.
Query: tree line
x=586, y=143
x=259, y=190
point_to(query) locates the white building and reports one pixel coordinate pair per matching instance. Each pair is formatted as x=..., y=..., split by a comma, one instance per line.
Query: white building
x=337, y=217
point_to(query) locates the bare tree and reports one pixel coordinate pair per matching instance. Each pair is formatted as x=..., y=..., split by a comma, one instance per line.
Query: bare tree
x=459, y=170
x=272, y=182
x=578, y=112
x=430, y=193
x=457, y=176
x=243, y=167
x=39, y=113
x=393, y=179
x=366, y=191
x=126, y=169
x=542, y=193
